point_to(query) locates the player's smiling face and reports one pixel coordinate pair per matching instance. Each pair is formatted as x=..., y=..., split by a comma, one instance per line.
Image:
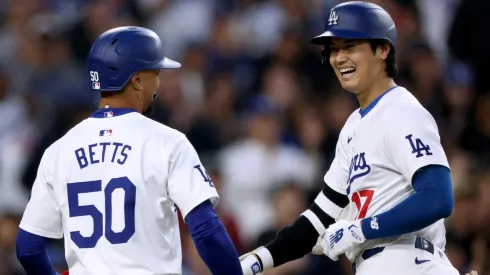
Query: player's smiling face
x=355, y=63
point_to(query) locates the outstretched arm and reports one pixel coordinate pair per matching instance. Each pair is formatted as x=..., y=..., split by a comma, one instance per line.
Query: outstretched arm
x=212, y=241
x=299, y=238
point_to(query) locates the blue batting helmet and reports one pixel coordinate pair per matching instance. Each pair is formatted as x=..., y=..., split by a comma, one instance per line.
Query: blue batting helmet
x=119, y=53
x=358, y=20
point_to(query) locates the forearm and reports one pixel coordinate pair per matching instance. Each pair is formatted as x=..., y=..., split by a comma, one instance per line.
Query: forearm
x=212, y=241
x=217, y=250
x=32, y=254
x=299, y=238
x=432, y=201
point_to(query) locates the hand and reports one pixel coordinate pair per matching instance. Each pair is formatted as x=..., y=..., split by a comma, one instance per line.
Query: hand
x=341, y=236
x=250, y=264
x=318, y=248
x=472, y=273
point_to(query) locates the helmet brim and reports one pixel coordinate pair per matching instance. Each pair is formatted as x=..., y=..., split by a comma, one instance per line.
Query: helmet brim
x=167, y=63
x=324, y=38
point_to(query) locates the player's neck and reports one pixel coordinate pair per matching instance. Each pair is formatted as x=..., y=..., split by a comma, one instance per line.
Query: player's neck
x=119, y=103
x=375, y=90
x=124, y=99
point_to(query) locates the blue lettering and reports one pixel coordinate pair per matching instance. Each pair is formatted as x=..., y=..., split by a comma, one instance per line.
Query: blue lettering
x=92, y=153
x=358, y=168
x=81, y=158
x=418, y=147
x=104, y=144
x=124, y=154
x=117, y=144
x=204, y=175
x=98, y=156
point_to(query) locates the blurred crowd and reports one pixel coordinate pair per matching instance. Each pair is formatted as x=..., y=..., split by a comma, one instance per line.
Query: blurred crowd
x=255, y=101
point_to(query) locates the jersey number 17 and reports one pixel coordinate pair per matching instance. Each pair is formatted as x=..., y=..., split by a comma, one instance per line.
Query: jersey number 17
x=362, y=199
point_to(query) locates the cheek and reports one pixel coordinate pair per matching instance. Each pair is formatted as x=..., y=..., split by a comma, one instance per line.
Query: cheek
x=367, y=68
x=331, y=59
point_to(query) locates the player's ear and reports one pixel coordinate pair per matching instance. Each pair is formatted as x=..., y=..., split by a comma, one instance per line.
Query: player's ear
x=136, y=81
x=383, y=50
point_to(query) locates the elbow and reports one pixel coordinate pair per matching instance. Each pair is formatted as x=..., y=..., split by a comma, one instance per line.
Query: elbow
x=446, y=200
x=446, y=207
x=20, y=251
x=443, y=205
x=28, y=245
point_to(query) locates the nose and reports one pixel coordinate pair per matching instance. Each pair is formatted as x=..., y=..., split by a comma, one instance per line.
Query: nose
x=340, y=57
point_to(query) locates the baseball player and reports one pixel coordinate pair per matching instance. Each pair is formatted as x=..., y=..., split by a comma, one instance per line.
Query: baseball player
x=112, y=185
x=388, y=189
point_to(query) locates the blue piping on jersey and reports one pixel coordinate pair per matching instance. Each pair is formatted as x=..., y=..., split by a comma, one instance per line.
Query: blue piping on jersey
x=111, y=112
x=372, y=104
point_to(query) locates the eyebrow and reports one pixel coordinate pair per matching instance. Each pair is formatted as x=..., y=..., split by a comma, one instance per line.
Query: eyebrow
x=346, y=41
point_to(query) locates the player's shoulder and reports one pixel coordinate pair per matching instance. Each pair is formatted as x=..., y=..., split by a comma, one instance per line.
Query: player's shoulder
x=162, y=137
x=159, y=130
x=402, y=105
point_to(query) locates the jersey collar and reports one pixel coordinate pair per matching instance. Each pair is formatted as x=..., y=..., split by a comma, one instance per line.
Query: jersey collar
x=111, y=112
x=372, y=104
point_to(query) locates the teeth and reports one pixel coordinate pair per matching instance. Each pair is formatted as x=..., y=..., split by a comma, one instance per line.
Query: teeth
x=345, y=70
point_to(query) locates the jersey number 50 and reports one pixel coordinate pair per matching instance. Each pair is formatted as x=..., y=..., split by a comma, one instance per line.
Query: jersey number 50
x=77, y=210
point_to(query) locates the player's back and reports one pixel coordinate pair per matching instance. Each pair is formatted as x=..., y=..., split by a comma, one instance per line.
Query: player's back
x=110, y=180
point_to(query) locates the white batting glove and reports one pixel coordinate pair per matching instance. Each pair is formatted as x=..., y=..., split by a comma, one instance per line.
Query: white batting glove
x=341, y=236
x=472, y=273
x=250, y=261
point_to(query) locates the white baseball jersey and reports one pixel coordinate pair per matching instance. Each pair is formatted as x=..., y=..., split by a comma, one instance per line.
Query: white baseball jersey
x=111, y=186
x=379, y=150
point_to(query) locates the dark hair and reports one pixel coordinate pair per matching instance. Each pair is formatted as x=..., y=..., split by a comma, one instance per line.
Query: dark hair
x=391, y=68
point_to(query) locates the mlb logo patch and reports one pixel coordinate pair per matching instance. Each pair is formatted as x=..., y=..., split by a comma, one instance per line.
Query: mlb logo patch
x=105, y=133
x=96, y=85
x=108, y=114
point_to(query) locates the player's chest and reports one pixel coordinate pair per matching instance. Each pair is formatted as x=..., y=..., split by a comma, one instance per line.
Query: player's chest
x=366, y=158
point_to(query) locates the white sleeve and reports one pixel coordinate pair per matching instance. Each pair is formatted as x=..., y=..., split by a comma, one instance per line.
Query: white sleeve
x=42, y=215
x=412, y=140
x=338, y=173
x=189, y=185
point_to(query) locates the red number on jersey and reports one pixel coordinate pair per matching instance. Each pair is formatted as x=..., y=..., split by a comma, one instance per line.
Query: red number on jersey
x=362, y=207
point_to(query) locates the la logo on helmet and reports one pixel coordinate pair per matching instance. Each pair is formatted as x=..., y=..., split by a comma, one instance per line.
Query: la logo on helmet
x=333, y=18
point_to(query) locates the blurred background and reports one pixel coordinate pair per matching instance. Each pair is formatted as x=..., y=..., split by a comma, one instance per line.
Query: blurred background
x=255, y=101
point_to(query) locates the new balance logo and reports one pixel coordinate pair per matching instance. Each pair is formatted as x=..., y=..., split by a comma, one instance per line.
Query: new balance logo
x=255, y=268
x=336, y=237
x=418, y=147
x=374, y=223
